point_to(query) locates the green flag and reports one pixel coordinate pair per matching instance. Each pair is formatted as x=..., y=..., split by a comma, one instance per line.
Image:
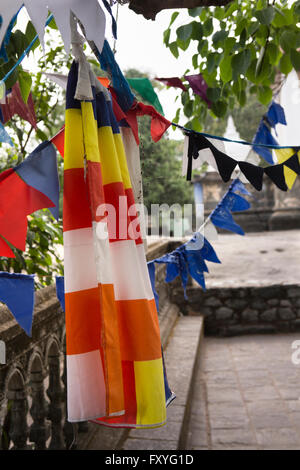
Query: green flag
x=144, y=87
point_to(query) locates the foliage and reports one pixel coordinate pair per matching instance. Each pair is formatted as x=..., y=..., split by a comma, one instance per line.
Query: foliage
x=244, y=45
x=246, y=119
x=161, y=169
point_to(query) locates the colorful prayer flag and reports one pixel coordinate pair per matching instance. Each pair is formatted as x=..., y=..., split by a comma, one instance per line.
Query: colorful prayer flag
x=114, y=357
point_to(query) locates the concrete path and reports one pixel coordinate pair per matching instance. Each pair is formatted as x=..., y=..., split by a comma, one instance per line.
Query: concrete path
x=256, y=259
x=247, y=394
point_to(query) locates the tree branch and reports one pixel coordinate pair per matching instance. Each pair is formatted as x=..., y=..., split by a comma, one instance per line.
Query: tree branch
x=150, y=8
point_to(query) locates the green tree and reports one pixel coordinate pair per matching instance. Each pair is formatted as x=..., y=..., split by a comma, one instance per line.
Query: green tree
x=243, y=46
x=160, y=162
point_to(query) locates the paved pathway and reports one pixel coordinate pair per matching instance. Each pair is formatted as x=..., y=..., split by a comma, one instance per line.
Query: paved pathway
x=247, y=394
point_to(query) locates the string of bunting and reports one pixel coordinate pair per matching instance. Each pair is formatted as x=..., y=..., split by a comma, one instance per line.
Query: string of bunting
x=226, y=164
x=189, y=258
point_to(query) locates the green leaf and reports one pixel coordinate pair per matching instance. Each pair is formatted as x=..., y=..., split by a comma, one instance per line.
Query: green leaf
x=195, y=11
x=240, y=63
x=229, y=44
x=197, y=32
x=283, y=17
x=188, y=109
x=273, y=53
x=41, y=135
x=285, y=64
x=52, y=24
x=295, y=59
x=231, y=9
x=287, y=40
x=166, y=36
x=183, y=44
x=184, y=32
x=30, y=34
x=219, y=108
x=240, y=26
x=226, y=69
x=213, y=94
x=210, y=62
x=219, y=36
x=174, y=49
x=25, y=83
x=195, y=61
x=196, y=124
x=203, y=47
x=208, y=27
x=265, y=95
x=266, y=15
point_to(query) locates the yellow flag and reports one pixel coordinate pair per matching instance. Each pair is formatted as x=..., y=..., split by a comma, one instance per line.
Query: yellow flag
x=289, y=175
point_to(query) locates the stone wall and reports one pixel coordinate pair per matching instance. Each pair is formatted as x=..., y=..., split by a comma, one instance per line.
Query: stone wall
x=244, y=310
x=33, y=379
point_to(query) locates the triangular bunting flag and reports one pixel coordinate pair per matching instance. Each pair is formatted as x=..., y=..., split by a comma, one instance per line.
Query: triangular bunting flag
x=293, y=163
x=253, y=173
x=275, y=173
x=225, y=164
x=60, y=290
x=17, y=292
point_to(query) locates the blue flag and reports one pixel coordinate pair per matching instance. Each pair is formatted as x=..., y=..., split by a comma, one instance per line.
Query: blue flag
x=17, y=292
x=60, y=290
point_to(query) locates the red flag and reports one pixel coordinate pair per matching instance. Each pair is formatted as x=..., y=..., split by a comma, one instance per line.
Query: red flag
x=59, y=141
x=173, y=82
x=15, y=105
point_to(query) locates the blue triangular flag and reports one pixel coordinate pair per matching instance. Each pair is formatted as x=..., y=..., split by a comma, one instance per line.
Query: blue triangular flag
x=60, y=290
x=264, y=136
x=276, y=114
x=17, y=292
x=151, y=270
x=39, y=170
x=4, y=137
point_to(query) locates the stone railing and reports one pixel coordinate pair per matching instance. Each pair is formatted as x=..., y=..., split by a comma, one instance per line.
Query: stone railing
x=33, y=377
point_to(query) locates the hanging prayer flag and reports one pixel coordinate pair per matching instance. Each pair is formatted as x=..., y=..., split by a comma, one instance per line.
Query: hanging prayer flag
x=60, y=291
x=172, y=82
x=89, y=13
x=290, y=174
x=108, y=63
x=24, y=189
x=221, y=216
x=14, y=104
x=144, y=87
x=196, y=144
x=4, y=137
x=59, y=141
x=114, y=358
x=275, y=114
x=264, y=136
x=199, y=86
x=17, y=292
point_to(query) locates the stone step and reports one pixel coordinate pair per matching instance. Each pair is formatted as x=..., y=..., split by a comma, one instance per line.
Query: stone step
x=182, y=359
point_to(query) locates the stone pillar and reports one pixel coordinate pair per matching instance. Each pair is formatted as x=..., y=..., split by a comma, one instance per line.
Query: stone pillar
x=286, y=209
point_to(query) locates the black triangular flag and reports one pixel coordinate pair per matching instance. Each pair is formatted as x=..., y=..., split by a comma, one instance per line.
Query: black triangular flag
x=275, y=173
x=225, y=164
x=253, y=173
x=293, y=163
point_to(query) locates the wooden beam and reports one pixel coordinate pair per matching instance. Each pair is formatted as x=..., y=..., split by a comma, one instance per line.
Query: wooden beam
x=150, y=8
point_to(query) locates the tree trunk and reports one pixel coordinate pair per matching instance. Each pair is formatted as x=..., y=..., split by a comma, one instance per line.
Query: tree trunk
x=150, y=8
